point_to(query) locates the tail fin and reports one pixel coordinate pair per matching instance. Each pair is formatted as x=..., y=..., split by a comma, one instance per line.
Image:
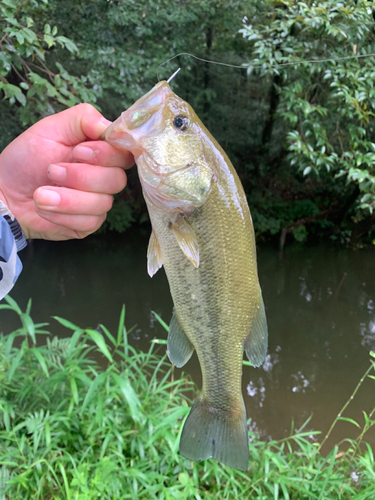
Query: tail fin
x=209, y=432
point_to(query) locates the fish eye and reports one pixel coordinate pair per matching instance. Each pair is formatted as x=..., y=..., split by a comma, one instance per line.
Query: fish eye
x=181, y=122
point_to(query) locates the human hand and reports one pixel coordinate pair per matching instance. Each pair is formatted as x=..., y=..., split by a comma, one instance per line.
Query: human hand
x=58, y=178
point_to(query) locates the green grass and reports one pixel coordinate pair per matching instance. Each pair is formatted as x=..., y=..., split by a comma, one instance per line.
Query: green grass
x=89, y=417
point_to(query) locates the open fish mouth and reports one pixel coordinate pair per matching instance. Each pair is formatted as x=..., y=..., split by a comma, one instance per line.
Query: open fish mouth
x=143, y=119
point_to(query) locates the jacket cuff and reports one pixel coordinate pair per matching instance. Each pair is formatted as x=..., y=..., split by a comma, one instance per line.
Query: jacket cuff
x=14, y=226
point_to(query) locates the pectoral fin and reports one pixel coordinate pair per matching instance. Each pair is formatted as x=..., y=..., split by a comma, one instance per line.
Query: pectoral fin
x=179, y=347
x=256, y=342
x=154, y=255
x=186, y=239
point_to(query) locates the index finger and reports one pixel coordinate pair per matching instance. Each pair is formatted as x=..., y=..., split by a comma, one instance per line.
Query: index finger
x=102, y=153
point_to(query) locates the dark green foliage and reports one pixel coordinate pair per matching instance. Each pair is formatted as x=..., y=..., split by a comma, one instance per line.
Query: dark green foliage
x=88, y=416
x=30, y=81
x=300, y=134
x=325, y=108
x=120, y=217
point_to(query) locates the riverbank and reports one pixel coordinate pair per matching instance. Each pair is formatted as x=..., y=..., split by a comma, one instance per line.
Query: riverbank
x=88, y=416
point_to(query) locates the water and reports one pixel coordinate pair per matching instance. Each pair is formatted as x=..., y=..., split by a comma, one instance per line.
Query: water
x=320, y=305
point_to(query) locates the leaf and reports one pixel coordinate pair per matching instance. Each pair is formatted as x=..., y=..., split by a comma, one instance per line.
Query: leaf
x=15, y=364
x=247, y=363
x=41, y=360
x=163, y=323
x=73, y=342
x=350, y=420
x=69, y=44
x=129, y=395
x=9, y=3
x=100, y=342
x=66, y=323
x=92, y=389
x=73, y=386
x=19, y=36
x=121, y=326
x=50, y=41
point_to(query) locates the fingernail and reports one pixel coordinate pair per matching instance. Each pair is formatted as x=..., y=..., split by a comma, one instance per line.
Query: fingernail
x=83, y=153
x=46, y=198
x=56, y=173
x=105, y=121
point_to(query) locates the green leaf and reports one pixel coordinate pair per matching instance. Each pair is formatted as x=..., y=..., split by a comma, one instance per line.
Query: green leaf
x=50, y=41
x=66, y=323
x=13, y=304
x=9, y=3
x=350, y=420
x=73, y=386
x=246, y=363
x=19, y=36
x=15, y=364
x=163, y=323
x=11, y=90
x=93, y=389
x=41, y=360
x=121, y=326
x=129, y=395
x=100, y=342
x=69, y=44
x=21, y=98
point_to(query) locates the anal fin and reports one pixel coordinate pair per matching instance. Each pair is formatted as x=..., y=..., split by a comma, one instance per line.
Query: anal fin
x=186, y=239
x=154, y=255
x=179, y=347
x=256, y=342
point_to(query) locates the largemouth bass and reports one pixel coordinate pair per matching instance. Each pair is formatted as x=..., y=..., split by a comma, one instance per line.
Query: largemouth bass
x=203, y=235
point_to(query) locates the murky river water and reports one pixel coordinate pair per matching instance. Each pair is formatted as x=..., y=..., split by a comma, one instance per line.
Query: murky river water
x=320, y=305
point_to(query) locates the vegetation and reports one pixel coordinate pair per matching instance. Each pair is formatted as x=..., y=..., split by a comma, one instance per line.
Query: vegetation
x=88, y=416
x=297, y=121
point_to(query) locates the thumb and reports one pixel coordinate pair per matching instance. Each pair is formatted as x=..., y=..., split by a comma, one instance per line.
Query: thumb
x=91, y=122
x=73, y=125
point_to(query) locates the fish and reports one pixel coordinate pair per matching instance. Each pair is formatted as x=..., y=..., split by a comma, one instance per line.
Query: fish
x=202, y=233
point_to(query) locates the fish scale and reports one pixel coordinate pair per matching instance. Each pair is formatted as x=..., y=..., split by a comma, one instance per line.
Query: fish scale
x=203, y=235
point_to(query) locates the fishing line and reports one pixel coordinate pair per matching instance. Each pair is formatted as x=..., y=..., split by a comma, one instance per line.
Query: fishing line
x=307, y=61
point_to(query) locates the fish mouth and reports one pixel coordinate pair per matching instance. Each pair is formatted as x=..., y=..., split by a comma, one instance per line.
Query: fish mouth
x=143, y=118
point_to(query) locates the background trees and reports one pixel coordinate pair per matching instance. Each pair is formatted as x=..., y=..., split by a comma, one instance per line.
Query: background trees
x=300, y=133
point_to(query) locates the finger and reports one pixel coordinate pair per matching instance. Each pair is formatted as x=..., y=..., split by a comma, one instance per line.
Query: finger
x=102, y=153
x=89, y=178
x=70, y=201
x=74, y=125
x=75, y=226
